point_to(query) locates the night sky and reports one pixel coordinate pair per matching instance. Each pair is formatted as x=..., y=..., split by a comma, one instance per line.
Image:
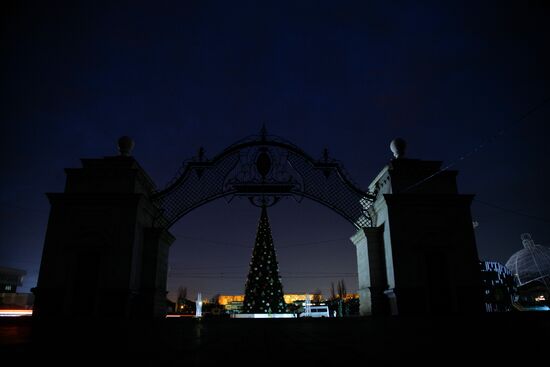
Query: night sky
x=349, y=76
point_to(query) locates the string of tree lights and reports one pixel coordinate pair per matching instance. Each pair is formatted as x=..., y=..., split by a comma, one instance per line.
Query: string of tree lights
x=263, y=290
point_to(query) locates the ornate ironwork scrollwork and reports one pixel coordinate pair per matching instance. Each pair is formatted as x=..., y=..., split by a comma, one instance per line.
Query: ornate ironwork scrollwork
x=264, y=175
x=265, y=169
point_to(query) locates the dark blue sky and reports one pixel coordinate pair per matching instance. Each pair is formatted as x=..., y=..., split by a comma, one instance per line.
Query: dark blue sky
x=349, y=76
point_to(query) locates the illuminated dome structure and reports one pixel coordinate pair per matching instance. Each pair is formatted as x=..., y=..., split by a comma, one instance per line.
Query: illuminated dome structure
x=532, y=263
x=531, y=269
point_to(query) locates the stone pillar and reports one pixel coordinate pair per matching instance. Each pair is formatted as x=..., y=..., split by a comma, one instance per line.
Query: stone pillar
x=371, y=269
x=431, y=259
x=156, y=244
x=103, y=256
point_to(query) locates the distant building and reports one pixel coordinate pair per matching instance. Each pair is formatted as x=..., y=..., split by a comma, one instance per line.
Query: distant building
x=498, y=286
x=234, y=303
x=10, y=279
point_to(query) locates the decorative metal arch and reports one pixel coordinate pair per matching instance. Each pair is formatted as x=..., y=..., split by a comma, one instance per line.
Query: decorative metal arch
x=263, y=168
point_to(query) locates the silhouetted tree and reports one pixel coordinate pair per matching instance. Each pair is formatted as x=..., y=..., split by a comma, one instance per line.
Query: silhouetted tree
x=316, y=298
x=342, y=291
x=215, y=300
x=332, y=292
x=182, y=292
x=181, y=300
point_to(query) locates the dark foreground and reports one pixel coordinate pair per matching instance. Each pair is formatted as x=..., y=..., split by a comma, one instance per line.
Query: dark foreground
x=229, y=342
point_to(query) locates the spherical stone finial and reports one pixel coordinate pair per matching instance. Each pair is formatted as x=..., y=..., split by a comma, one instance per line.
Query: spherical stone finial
x=398, y=146
x=125, y=146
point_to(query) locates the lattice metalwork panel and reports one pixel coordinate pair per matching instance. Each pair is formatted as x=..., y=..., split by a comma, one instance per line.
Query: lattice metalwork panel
x=196, y=186
x=259, y=168
x=327, y=186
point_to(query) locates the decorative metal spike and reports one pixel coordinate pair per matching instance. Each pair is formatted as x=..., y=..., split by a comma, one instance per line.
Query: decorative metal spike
x=201, y=154
x=263, y=132
x=325, y=155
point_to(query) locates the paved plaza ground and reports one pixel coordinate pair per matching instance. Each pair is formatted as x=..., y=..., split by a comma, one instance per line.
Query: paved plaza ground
x=298, y=342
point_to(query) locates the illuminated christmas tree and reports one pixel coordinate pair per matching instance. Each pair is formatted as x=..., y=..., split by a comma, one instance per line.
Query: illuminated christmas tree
x=264, y=291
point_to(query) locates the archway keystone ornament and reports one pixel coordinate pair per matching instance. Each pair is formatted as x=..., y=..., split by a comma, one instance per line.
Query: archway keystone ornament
x=106, y=247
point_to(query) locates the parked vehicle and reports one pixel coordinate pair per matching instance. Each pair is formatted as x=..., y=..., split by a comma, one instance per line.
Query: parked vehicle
x=316, y=311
